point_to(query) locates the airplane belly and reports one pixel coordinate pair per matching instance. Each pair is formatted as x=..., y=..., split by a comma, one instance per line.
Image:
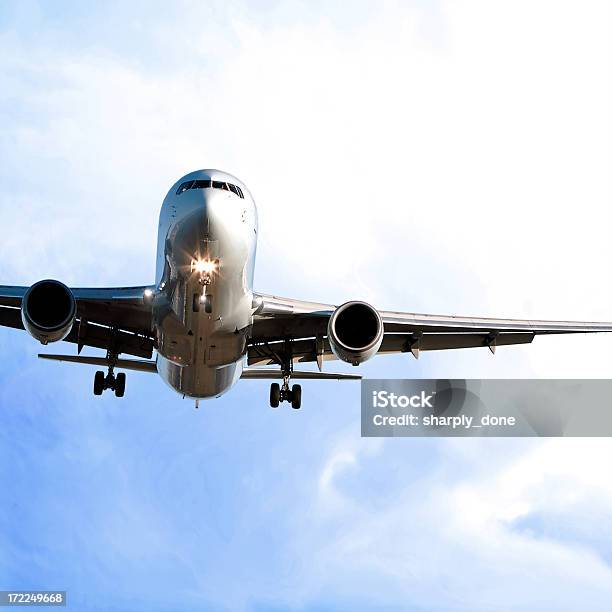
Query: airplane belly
x=199, y=381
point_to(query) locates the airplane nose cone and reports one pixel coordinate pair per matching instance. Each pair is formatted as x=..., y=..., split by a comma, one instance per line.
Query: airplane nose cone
x=211, y=211
x=207, y=216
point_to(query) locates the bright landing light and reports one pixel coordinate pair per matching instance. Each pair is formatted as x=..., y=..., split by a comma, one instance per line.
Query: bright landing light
x=205, y=266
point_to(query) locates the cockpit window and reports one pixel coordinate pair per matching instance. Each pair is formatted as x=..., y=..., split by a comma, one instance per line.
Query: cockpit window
x=200, y=184
x=207, y=184
x=184, y=187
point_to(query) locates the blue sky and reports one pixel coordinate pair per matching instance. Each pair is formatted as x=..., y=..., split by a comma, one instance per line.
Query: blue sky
x=430, y=157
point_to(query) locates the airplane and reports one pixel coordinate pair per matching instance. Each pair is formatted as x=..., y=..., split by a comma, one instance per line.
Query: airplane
x=204, y=321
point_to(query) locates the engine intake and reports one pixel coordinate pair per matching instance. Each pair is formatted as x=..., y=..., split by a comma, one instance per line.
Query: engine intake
x=48, y=311
x=355, y=332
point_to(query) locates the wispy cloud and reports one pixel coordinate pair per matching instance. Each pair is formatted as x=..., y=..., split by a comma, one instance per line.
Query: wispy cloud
x=456, y=532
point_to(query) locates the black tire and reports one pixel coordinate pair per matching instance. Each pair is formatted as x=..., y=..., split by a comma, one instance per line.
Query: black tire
x=275, y=395
x=296, y=396
x=120, y=385
x=98, y=383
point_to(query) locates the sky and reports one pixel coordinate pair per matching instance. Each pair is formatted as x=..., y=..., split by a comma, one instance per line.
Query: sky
x=443, y=157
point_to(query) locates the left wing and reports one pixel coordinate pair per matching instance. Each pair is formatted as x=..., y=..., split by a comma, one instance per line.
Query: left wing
x=304, y=325
x=117, y=314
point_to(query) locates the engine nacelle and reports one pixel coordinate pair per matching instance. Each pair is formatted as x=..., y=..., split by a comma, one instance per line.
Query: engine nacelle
x=355, y=332
x=48, y=311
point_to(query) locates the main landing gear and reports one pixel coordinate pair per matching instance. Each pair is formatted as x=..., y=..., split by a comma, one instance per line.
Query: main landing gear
x=110, y=381
x=285, y=394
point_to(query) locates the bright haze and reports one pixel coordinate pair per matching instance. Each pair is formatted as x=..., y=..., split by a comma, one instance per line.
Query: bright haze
x=444, y=157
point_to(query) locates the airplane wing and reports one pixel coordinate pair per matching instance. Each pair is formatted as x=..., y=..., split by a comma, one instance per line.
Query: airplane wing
x=123, y=313
x=279, y=321
x=103, y=314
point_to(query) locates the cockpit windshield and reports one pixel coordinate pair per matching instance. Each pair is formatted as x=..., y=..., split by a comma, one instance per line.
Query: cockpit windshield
x=208, y=184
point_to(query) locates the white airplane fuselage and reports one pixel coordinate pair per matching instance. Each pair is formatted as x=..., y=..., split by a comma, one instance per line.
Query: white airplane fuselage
x=203, y=304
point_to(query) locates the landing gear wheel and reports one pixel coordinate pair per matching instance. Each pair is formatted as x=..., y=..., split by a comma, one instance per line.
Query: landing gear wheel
x=98, y=383
x=296, y=396
x=120, y=385
x=275, y=395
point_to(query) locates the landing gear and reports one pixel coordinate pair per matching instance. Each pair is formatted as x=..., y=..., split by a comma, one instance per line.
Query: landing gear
x=285, y=394
x=110, y=381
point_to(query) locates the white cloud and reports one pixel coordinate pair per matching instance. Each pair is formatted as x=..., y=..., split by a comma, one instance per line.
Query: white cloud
x=455, y=537
x=343, y=458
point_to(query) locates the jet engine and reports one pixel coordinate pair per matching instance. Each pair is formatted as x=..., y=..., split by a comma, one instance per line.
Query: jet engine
x=48, y=311
x=355, y=332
